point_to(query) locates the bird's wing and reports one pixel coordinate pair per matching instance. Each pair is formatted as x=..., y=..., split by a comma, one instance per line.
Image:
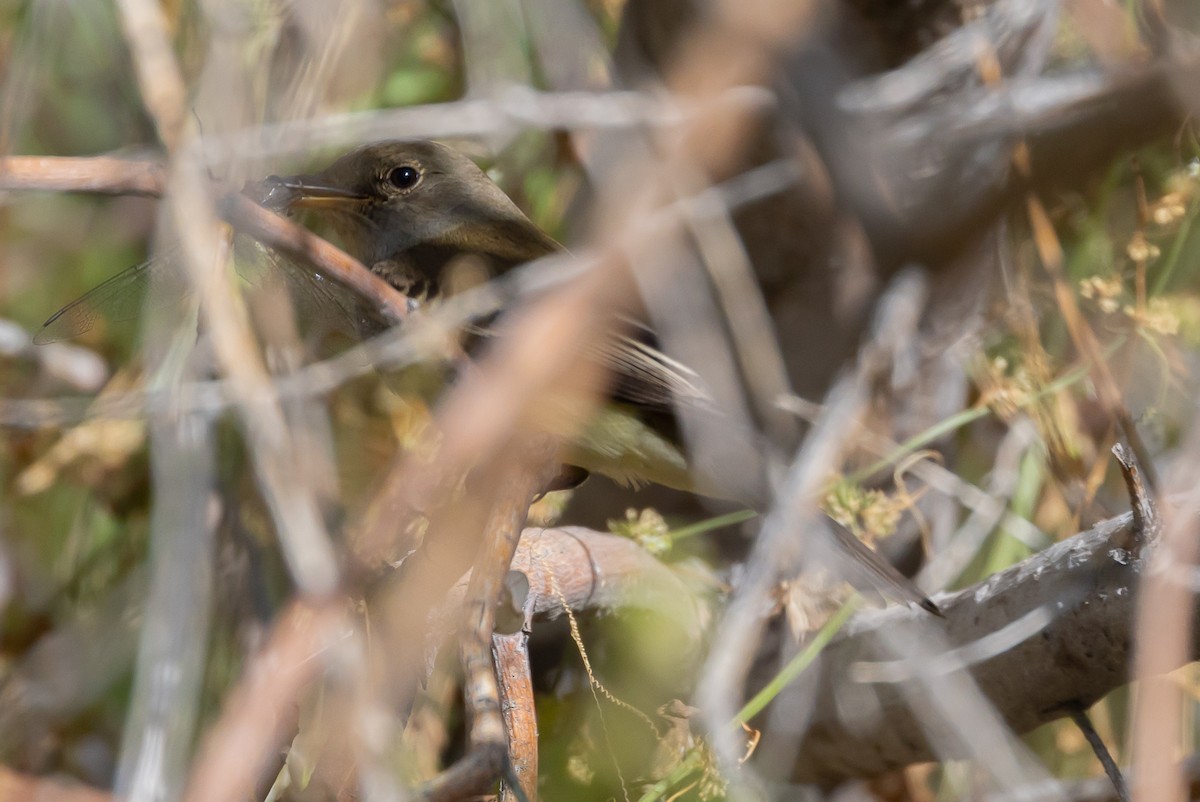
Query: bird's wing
x=645, y=376
x=642, y=375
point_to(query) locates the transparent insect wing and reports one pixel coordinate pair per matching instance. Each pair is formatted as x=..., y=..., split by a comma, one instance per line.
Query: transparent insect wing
x=117, y=299
x=322, y=305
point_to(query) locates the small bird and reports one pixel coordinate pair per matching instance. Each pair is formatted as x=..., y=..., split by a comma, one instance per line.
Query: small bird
x=412, y=211
x=427, y=220
x=421, y=214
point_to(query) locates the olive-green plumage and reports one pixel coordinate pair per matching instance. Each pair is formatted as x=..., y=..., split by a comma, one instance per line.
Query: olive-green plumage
x=411, y=210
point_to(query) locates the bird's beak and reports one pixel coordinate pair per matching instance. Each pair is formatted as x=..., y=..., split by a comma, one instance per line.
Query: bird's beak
x=304, y=192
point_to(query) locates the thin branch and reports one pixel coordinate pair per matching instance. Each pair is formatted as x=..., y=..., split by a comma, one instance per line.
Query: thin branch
x=155, y=748
x=102, y=175
x=292, y=240
x=163, y=714
x=591, y=572
x=511, y=652
x=159, y=77
x=1166, y=623
x=1147, y=522
x=1080, y=717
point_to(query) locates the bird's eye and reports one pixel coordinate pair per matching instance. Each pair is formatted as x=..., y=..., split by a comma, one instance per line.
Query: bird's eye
x=405, y=177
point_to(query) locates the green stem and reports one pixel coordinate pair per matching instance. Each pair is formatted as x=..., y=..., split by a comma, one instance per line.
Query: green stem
x=700, y=527
x=801, y=661
x=678, y=776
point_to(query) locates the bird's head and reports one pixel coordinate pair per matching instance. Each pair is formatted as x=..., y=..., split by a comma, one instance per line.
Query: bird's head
x=389, y=198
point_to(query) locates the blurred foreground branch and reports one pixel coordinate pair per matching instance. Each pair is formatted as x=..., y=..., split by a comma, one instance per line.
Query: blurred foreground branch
x=16, y=787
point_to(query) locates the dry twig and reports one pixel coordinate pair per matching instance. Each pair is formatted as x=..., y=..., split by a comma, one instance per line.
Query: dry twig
x=511, y=652
x=487, y=739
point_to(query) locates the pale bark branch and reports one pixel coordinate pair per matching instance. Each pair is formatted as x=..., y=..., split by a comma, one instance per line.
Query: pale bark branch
x=1073, y=656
